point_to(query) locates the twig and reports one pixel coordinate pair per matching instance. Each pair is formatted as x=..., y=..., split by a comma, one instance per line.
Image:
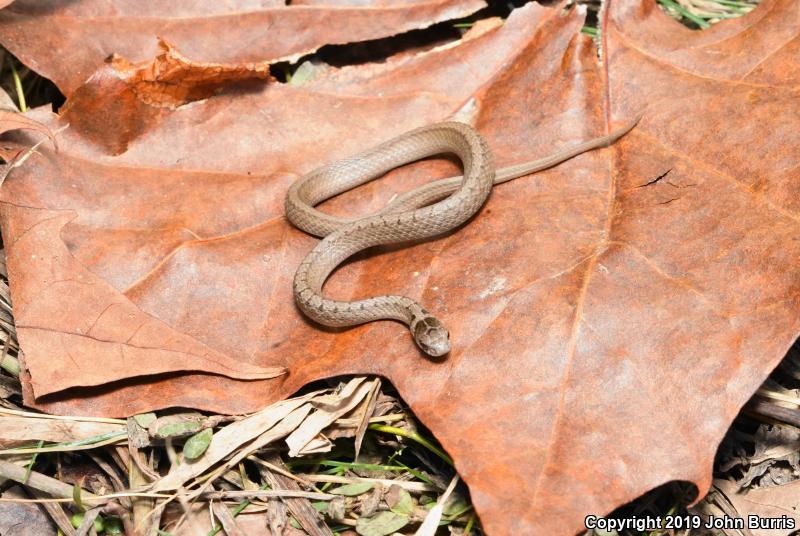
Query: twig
x=44, y=483
x=419, y=487
x=268, y=494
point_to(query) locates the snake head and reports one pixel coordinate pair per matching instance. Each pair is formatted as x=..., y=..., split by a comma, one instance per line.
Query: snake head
x=431, y=336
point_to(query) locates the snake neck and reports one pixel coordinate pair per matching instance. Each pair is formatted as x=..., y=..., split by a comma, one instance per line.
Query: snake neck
x=428, y=332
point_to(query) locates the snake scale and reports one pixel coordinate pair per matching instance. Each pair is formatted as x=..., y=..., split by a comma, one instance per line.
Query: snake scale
x=427, y=211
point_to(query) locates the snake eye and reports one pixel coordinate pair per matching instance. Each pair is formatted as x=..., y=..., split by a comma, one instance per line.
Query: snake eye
x=432, y=337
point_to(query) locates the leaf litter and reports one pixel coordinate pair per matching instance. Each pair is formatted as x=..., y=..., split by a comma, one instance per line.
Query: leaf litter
x=768, y=442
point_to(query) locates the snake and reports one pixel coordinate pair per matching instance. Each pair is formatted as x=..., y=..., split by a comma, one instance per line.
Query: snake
x=424, y=212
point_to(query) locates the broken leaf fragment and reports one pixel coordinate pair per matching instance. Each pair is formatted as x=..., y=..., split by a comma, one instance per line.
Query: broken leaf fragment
x=179, y=425
x=171, y=79
x=400, y=501
x=233, y=32
x=11, y=120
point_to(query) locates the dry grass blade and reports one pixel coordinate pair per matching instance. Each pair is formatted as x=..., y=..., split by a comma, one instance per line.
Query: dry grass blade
x=41, y=482
x=417, y=487
x=57, y=430
x=57, y=514
x=87, y=524
x=91, y=443
x=268, y=494
x=712, y=9
x=141, y=507
x=34, y=415
x=229, y=439
x=329, y=408
x=369, y=410
x=301, y=509
x=226, y=519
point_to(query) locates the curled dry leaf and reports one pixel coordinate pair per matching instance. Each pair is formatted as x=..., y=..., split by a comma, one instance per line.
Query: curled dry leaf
x=11, y=120
x=171, y=79
x=775, y=459
x=103, y=269
x=329, y=408
x=231, y=32
x=765, y=504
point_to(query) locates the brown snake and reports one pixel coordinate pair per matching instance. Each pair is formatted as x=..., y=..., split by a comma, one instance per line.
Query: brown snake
x=429, y=210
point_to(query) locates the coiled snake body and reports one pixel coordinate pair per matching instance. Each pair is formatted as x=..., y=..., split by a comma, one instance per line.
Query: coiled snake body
x=427, y=211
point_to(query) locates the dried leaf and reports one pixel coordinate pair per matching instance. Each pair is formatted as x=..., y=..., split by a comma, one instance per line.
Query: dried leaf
x=265, y=423
x=107, y=312
x=172, y=80
x=621, y=290
x=19, y=519
x=775, y=459
x=10, y=120
x=232, y=32
x=775, y=506
x=329, y=409
x=400, y=501
x=317, y=445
